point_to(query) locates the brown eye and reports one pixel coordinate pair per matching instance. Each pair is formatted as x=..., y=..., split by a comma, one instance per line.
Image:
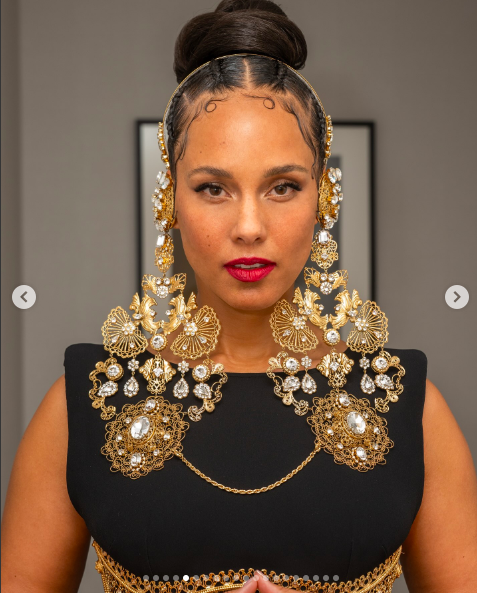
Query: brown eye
x=281, y=189
x=215, y=191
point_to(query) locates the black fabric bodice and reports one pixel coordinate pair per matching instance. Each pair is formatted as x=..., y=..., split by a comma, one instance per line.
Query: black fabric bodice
x=327, y=519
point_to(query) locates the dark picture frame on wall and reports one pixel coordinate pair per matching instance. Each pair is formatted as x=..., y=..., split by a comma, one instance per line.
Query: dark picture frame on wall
x=353, y=151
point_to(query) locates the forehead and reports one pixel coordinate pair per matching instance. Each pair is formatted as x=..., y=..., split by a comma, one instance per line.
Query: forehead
x=244, y=127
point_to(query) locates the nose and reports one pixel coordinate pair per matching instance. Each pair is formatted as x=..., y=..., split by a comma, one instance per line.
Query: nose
x=249, y=228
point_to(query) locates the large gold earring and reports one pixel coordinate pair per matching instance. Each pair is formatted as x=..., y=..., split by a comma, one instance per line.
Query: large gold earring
x=200, y=333
x=144, y=435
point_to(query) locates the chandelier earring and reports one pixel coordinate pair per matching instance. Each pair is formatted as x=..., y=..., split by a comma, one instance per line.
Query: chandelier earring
x=144, y=435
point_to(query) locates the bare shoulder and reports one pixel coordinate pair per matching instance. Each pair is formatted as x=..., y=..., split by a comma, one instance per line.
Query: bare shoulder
x=440, y=552
x=38, y=508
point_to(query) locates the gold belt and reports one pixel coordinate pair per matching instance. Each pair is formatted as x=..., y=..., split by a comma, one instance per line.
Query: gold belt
x=117, y=579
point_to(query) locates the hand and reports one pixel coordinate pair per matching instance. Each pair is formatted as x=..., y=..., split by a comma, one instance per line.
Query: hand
x=262, y=583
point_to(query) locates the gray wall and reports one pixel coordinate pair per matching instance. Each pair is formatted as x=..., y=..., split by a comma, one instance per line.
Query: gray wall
x=79, y=73
x=12, y=393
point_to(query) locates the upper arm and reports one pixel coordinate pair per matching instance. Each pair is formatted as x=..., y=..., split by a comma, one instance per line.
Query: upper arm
x=44, y=540
x=440, y=552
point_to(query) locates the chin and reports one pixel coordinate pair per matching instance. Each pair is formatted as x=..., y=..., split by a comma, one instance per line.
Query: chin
x=256, y=298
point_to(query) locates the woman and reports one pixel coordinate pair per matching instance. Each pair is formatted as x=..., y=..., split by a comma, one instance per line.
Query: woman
x=245, y=143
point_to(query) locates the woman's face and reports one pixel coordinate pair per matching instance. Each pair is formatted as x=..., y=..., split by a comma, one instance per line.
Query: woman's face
x=245, y=192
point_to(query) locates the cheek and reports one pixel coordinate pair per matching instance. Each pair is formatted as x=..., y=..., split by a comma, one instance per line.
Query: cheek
x=294, y=237
x=202, y=240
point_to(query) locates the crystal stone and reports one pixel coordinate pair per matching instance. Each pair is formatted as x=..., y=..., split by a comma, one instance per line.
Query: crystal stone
x=332, y=336
x=136, y=459
x=308, y=384
x=326, y=287
x=299, y=322
x=381, y=363
x=181, y=389
x=162, y=292
x=361, y=324
x=361, y=453
x=343, y=399
x=291, y=384
x=364, y=362
x=323, y=237
x=330, y=431
x=384, y=382
x=157, y=371
x=190, y=328
x=150, y=405
x=332, y=175
x=140, y=427
x=292, y=364
x=367, y=385
x=133, y=364
x=183, y=366
x=107, y=389
x=376, y=430
x=356, y=423
x=203, y=391
x=338, y=174
x=158, y=341
x=200, y=371
x=114, y=371
x=131, y=387
x=334, y=366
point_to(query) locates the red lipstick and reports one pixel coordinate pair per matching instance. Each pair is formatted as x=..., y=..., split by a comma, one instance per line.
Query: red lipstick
x=249, y=269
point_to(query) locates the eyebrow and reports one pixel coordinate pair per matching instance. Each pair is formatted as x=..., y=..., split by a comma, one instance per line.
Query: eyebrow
x=278, y=170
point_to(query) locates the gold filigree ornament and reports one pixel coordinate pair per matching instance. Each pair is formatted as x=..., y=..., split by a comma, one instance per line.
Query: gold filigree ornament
x=143, y=436
x=350, y=429
x=117, y=579
x=290, y=331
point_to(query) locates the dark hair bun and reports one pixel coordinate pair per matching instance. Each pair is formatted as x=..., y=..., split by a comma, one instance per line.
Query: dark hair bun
x=236, y=26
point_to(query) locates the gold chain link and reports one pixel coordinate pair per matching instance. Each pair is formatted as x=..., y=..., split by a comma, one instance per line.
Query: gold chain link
x=256, y=490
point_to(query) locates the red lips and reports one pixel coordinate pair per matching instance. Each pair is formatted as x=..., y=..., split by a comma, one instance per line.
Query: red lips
x=262, y=267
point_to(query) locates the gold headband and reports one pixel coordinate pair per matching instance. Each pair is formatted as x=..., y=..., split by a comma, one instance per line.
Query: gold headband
x=329, y=125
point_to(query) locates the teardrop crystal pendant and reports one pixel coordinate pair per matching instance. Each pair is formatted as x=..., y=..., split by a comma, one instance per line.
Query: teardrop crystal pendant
x=131, y=387
x=108, y=389
x=181, y=388
x=384, y=382
x=367, y=385
x=308, y=384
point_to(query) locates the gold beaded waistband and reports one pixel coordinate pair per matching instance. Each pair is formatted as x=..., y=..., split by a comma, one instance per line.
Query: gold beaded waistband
x=117, y=579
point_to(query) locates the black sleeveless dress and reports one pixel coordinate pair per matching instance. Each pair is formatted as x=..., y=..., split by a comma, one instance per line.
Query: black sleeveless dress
x=326, y=520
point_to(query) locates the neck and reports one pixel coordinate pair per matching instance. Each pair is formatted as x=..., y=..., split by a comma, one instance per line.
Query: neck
x=246, y=341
